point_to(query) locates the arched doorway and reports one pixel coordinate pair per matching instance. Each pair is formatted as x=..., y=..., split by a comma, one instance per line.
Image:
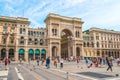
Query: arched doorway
x=11, y=54
x=78, y=52
x=21, y=54
x=54, y=52
x=31, y=54
x=43, y=53
x=66, y=44
x=3, y=53
x=37, y=53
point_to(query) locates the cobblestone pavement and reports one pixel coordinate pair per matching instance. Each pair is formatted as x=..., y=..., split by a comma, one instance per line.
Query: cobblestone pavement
x=70, y=71
x=81, y=70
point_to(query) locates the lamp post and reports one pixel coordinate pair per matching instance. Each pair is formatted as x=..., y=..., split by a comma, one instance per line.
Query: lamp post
x=69, y=45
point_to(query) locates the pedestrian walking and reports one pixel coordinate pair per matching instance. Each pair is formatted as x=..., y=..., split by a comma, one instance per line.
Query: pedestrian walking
x=48, y=62
x=38, y=61
x=118, y=61
x=109, y=63
x=61, y=63
x=86, y=60
x=56, y=63
x=6, y=62
x=77, y=60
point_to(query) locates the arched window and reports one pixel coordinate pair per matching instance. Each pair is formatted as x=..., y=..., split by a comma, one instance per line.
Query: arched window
x=29, y=40
x=41, y=42
x=22, y=40
x=36, y=42
x=23, y=31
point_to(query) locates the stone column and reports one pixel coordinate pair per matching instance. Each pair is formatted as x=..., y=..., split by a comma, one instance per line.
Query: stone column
x=26, y=51
x=74, y=49
x=16, y=55
x=82, y=52
x=59, y=50
x=34, y=55
x=26, y=55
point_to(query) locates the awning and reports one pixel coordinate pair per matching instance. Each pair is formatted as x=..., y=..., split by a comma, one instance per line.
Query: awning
x=21, y=51
x=31, y=51
x=37, y=51
x=43, y=51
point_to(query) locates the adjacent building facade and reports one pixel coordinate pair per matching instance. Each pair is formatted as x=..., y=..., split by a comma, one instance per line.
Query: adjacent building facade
x=101, y=43
x=62, y=37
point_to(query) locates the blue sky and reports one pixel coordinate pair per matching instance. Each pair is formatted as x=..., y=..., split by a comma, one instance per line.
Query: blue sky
x=103, y=14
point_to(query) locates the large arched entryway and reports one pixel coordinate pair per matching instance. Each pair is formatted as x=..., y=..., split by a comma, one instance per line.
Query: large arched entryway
x=3, y=53
x=66, y=44
x=21, y=54
x=43, y=53
x=37, y=53
x=11, y=54
x=31, y=54
x=54, y=52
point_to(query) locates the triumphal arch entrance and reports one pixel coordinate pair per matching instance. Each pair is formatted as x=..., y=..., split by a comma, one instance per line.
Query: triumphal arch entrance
x=64, y=36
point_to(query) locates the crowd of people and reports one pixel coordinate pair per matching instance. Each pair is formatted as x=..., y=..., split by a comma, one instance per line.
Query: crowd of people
x=98, y=62
x=59, y=62
x=47, y=62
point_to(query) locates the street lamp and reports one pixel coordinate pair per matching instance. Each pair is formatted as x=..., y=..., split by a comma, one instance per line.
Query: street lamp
x=69, y=45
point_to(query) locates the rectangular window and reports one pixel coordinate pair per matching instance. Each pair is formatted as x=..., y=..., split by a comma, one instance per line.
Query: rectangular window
x=97, y=37
x=4, y=40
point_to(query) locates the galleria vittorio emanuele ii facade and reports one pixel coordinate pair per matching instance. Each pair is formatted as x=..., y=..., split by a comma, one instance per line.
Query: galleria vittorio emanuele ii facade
x=61, y=37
